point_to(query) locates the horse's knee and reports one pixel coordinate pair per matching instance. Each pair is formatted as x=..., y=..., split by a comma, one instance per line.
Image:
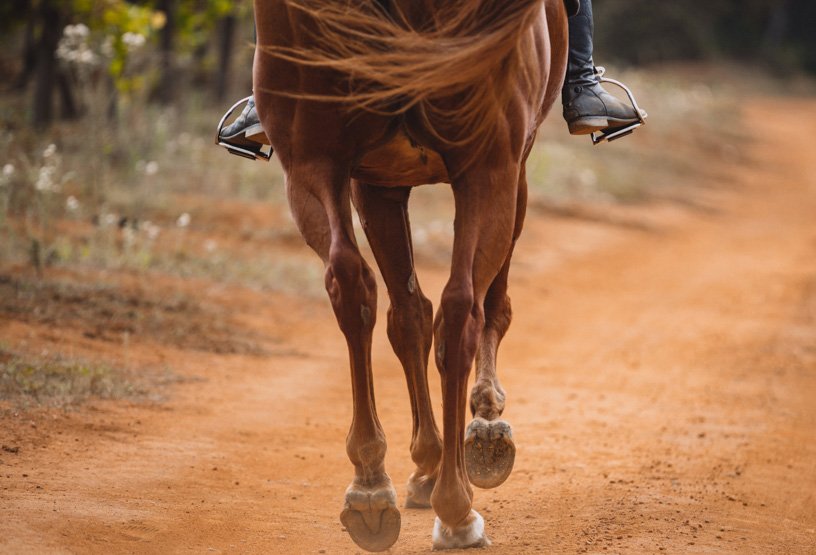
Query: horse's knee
x=457, y=303
x=409, y=320
x=461, y=321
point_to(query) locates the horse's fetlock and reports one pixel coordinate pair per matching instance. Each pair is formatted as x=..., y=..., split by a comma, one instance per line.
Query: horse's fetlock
x=426, y=450
x=369, y=454
x=487, y=400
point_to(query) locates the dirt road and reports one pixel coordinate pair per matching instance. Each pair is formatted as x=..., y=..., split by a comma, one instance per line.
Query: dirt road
x=661, y=378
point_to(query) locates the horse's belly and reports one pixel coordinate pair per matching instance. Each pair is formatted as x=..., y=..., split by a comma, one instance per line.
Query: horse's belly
x=398, y=163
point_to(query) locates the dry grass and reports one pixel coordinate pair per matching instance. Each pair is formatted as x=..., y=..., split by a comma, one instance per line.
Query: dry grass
x=118, y=314
x=57, y=381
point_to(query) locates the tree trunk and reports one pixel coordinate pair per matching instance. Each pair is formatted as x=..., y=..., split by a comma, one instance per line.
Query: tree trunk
x=226, y=37
x=166, y=91
x=29, y=56
x=70, y=108
x=46, y=69
x=777, y=28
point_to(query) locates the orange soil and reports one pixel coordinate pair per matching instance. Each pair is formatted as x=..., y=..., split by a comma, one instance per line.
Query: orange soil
x=661, y=381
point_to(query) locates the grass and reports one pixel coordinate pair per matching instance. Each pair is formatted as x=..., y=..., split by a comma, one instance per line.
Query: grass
x=60, y=382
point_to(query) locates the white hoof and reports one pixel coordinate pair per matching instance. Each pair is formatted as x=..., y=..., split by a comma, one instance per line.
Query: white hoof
x=469, y=534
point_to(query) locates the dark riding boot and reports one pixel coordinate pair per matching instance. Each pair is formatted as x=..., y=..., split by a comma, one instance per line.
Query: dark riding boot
x=587, y=106
x=246, y=130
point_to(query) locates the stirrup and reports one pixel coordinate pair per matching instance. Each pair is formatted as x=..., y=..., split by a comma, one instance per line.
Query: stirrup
x=245, y=151
x=614, y=133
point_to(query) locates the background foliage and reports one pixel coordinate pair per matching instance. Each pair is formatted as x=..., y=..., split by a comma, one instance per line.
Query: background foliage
x=776, y=33
x=161, y=47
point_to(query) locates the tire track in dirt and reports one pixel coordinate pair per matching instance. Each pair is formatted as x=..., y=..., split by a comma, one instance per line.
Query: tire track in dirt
x=661, y=380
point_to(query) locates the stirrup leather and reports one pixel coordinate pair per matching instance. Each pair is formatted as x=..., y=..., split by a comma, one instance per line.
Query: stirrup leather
x=244, y=151
x=614, y=133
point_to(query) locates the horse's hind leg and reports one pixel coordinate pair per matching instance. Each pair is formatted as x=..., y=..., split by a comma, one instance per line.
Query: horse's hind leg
x=384, y=214
x=319, y=198
x=489, y=448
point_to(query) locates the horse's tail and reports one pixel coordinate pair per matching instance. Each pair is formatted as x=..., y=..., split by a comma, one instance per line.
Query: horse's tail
x=474, y=50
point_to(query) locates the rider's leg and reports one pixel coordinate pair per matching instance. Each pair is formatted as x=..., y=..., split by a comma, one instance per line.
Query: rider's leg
x=246, y=130
x=587, y=106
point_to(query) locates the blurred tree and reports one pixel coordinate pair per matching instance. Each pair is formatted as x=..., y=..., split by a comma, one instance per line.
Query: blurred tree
x=226, y=43
x=192, y=26
x=797, y=34
x=166, y=89
x=184, y=28
x=777, y=32
x=51, y=20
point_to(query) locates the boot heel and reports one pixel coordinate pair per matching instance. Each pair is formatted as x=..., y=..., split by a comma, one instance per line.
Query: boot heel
x=587, y=125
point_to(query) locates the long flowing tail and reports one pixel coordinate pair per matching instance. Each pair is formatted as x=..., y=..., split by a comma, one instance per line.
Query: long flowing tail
x=474, y=51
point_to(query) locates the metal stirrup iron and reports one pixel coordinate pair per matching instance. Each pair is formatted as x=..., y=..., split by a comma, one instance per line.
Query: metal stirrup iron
x=614, y=133
x=244, y=151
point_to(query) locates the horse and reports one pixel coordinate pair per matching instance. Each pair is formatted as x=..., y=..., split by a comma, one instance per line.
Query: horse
x=362, y=100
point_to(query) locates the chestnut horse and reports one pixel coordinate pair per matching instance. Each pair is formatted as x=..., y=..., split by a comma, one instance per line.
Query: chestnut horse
x=363, y=100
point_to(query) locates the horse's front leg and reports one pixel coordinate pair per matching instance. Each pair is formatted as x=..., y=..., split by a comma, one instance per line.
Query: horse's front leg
x=485, y=197
x=319, y=198
x=489, y=448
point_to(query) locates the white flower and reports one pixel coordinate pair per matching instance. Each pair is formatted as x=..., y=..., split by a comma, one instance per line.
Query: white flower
x=133, y=40
x=109, y=219
x=8, y=170
x=183, y=220
x=71, y=204
x=45, y=181
x=151, y=168
x=80, y=30
x=87, y=57
x=210, y=246
x=50, y=150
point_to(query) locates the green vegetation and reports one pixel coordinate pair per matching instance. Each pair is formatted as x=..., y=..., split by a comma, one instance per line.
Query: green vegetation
x=155, y=47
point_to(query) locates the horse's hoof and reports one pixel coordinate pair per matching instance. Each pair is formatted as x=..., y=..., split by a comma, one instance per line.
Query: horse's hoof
x=471, y=533
x=489, y=452
x=420, y=487
x=371, y=516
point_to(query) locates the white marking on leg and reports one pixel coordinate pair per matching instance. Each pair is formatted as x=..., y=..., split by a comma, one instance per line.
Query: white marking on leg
x=471, y=534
